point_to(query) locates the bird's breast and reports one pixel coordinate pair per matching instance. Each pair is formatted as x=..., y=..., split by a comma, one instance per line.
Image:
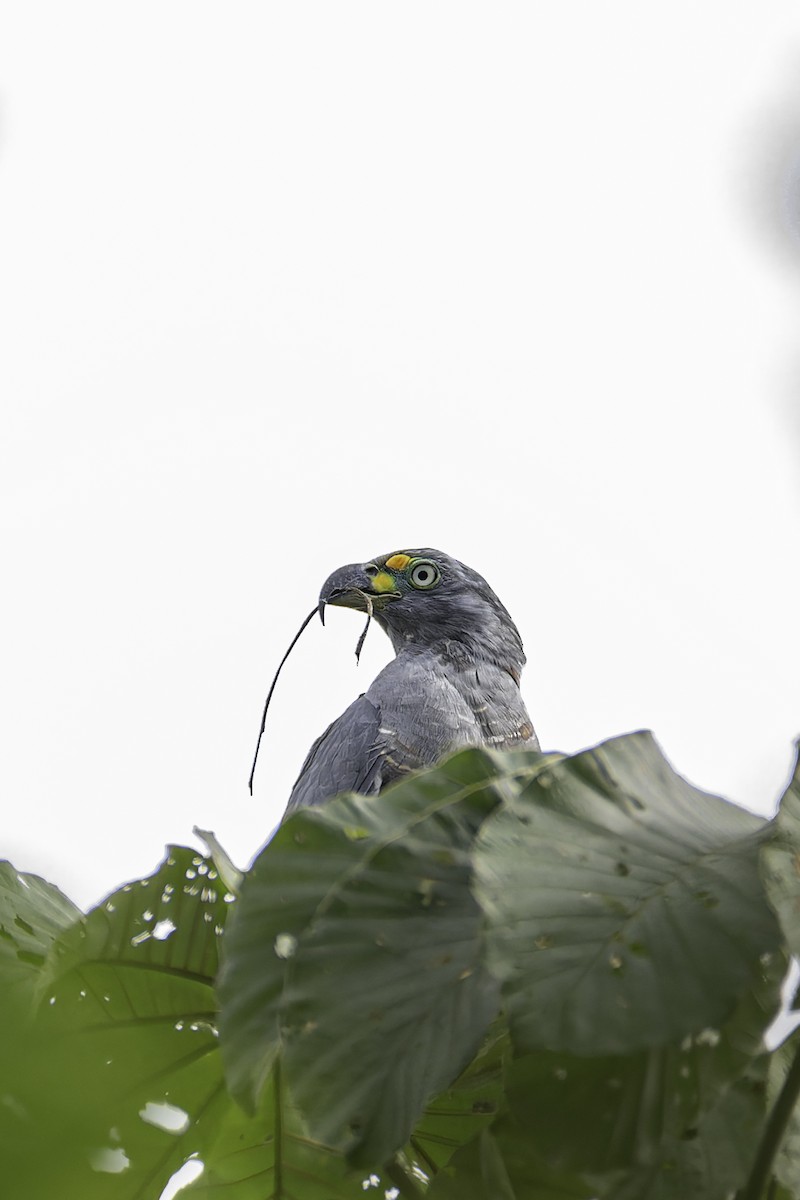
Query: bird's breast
x=431, y=708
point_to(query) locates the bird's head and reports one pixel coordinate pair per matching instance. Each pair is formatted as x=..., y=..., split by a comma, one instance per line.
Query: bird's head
x=425, y=598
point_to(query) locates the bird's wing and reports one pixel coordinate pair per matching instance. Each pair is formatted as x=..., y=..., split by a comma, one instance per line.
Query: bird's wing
x=346, y=758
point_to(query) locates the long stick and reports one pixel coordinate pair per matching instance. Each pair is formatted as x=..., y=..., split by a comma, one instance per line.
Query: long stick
x=294, y=642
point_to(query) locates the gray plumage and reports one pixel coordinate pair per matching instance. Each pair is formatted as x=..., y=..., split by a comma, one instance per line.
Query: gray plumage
x=453, y=683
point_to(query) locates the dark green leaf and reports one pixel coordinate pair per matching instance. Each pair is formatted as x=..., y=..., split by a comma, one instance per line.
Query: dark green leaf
x=780, y=861
x=503, y=1163
x=356, y=955
x=708, y=1163
x=628, y=1108
x=459, y=1114
x=787, y=1160
x=624, y=906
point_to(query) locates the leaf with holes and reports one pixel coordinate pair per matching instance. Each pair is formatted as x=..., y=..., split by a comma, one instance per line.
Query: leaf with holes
x=624, y=907
x=711, y=1162
x=355, y=955
x=468, y=1106
x=269, y=1156
x=125, y=1050
x=509, y=1160
x=629, y=1107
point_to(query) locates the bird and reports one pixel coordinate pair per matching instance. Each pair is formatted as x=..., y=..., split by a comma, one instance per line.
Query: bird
x=454, y=681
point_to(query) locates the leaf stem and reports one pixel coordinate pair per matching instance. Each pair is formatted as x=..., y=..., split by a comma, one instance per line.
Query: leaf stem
x=773, y=1133
x=403, y=1179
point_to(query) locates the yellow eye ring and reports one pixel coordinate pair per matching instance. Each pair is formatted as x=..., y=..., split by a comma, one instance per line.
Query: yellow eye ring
x=423, y=574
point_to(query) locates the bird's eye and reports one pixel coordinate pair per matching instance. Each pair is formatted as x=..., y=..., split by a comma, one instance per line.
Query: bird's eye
x=424, y=574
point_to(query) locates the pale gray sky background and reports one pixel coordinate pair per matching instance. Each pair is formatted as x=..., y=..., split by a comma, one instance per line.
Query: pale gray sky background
x=286, y=286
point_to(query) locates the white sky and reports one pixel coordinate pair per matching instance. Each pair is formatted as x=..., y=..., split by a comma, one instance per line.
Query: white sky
x=284, y=286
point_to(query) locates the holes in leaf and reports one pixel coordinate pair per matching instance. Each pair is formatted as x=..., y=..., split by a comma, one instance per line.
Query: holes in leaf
x=110, y=1159
x=707, y=1037
x=285, y=945
x=165, y=1116
x=191, y=1170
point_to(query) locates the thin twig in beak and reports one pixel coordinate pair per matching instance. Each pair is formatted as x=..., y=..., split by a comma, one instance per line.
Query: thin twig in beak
x=362, y=639
x=294, y=642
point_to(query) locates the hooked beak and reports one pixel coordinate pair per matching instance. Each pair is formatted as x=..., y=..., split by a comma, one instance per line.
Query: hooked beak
x=350, y=586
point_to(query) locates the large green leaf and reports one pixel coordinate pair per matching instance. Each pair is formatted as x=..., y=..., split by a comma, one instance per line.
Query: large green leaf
x=468, y=1106
x=269, y=1155
x=780, y=861
x=127, y=1019
x=628, y=1108
x=355, y=955
x=503, y=1163
x=709, y=1162
x=624, y=906
x=121, y=1082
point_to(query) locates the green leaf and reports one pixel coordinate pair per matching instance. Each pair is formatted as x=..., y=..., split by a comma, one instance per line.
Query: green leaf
x=708, y=1163
x=269, y=1156
x=124, y=1053
x=32, y=914
x=624, y=906
x=121, y=1082
x=780, y=861
x=786, y=1164
x=503, y=1163
x=628, y=1108
x=460, y=1113
x=355, y=955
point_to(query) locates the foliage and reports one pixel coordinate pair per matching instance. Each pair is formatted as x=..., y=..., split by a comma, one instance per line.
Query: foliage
x=514, y=977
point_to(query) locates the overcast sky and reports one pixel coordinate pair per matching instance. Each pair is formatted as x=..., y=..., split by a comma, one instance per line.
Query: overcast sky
x=287, y=286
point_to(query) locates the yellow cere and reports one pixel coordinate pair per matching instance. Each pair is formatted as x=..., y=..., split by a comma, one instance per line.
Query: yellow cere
x=382, y=582
x=398, y=562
